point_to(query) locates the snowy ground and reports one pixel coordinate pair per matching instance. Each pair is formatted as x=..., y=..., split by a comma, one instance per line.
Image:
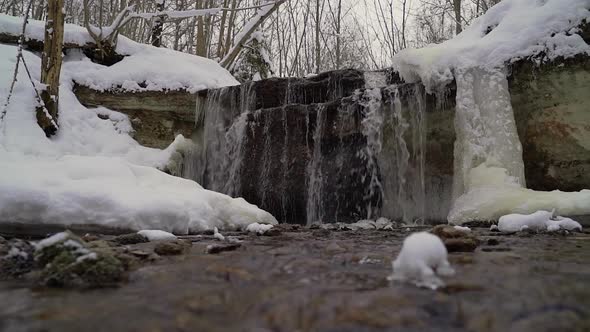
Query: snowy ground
x=92, y=171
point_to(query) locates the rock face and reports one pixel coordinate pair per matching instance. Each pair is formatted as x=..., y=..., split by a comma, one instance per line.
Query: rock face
x=552, y=110
x=157, y=117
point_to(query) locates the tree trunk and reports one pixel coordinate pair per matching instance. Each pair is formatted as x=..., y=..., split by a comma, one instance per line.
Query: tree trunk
x=51, y=67
x=158, y=25
x=457, y=8
x=318, y=45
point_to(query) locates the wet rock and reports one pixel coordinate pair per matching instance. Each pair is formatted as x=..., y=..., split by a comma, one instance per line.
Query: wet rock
x=456, y=240
x=66, y=261
x=320, y=233
x=272, y=232
x=493, y=242
x=172, y=248
x=99, y=244
x=219, y=248
x=16, y=258
x=461, y=245
x=127, y=239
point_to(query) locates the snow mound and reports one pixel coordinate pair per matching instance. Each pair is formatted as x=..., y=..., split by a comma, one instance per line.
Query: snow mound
x=510, y=30
x=538, y=221
x=157, y=235
x=258, y=228
x=422, y=258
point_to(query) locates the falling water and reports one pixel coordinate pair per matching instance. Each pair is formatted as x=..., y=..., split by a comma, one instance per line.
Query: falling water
x=315, y=180
x=361, y=155
x=402, y=161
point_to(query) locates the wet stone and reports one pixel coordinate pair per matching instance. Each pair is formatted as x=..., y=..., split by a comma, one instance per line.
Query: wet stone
x=493, y=242
x=461, y=245
x=172, y=248
x=127, y=239
x=456, y=240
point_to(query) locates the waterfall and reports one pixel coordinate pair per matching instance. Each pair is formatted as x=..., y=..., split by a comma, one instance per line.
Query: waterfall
x=315, y=180
x=402, y=162
x=372, y=129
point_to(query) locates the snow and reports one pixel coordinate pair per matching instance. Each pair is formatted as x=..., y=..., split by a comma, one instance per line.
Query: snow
x=519, y=29
x=422, y=259
x=514, y=222
x=538, y=221
x=158, y=68
x=218, y=235
x=92, y=171
x=156, y=235
x=52, y=240
x=462, y=229
x=258, y=228
x=493, y=194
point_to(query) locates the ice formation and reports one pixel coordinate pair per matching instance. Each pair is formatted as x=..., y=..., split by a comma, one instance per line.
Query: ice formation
x=156, y=235
x=422, y=259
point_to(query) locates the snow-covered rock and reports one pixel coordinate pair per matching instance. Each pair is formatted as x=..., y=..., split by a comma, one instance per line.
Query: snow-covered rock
x=422, y=259
x=157, y=235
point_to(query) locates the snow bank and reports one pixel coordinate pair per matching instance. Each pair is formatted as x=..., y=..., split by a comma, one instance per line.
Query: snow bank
x=538, y=221
x=157, y=235
x=510, y=30
x=422, y=258
x=493, y=194
x=112, y=192
x=92, y=171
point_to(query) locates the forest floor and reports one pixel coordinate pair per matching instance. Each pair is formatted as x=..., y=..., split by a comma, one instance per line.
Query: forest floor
x=303, y=279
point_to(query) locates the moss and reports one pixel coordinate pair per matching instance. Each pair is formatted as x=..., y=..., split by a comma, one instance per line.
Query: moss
x=74, y=265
